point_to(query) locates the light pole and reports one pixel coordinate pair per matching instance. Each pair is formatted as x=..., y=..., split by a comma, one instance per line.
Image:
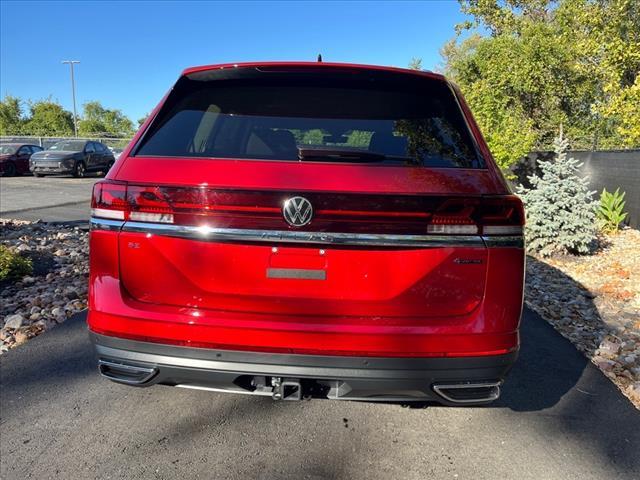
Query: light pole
x=73, y=93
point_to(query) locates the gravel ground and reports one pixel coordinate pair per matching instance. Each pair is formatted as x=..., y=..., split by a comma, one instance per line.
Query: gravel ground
x=594, y=301
x=58, y=286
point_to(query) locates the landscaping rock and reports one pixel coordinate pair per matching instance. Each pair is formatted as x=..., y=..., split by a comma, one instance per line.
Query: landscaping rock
x=58, y=286
x=594, y=301
x=20, y=337
x=13, y=321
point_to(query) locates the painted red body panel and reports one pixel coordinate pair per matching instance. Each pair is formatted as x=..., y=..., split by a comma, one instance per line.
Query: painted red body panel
x=382, y=283
x=490, y=328
x=21, y=164
x=299, y=176
x=399, y=302
x=310, y=65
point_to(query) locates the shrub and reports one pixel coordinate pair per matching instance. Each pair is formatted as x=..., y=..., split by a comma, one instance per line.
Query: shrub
x=610, y=211
x=560, y=208
x=13, y=266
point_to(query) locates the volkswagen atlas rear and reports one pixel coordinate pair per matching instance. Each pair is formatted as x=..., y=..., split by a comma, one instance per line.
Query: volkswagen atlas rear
x=308, y=230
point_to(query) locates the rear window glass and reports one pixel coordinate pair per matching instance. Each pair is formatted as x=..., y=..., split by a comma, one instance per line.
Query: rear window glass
x=368, y=118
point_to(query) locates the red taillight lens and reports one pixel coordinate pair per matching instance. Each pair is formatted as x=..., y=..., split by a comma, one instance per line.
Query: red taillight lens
x=454, y=216
x=109, y=200
x=149, y=204
x=501, y=215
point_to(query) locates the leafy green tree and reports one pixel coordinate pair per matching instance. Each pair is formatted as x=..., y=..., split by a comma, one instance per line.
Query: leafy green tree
x=359, y=139
x=48, y=118
x=545, y=63
x=11, y=121
x=142, y=120
x=99, y=121
x=312, y=137
x=608, y=46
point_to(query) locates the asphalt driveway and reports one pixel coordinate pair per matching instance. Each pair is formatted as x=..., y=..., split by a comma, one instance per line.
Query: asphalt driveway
x=51, y=199
x=559, y=417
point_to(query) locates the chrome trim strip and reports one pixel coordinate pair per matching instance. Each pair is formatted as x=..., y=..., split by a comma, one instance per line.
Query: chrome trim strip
x=325, y=238
x=493, y=241
x=285, y=236
x=225, y=390
x=105, y=224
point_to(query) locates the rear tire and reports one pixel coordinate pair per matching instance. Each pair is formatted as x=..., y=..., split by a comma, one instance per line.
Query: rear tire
x=9, y=170
x=79, y=170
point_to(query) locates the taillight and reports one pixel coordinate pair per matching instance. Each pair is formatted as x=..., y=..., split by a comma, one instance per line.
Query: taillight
x=149, y=204
x=109, y=200
x=207, y=207
x=502, y=215
x=454, y=216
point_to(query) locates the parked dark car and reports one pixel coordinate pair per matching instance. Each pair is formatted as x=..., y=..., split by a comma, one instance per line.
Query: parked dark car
x=14, y=158
x=76, y=157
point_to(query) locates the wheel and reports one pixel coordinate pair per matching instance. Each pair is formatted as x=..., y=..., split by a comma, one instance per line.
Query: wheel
x=79, y=169
x=39, y=175
x=9, y=169
x=109, y=166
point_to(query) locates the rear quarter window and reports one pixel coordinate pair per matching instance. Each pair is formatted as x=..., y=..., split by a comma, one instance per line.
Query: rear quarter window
x=395, y=119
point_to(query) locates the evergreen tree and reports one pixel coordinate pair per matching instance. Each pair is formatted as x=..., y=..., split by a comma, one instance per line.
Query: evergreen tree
x=560, y=208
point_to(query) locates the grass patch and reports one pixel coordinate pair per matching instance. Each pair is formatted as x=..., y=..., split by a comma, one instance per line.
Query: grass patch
x=13, y=266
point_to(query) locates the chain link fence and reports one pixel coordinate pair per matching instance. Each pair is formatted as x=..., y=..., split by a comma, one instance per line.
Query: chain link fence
x=45, y=142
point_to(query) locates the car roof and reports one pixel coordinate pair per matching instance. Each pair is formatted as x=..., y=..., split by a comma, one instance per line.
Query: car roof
x=346, y=66
x=15, y=144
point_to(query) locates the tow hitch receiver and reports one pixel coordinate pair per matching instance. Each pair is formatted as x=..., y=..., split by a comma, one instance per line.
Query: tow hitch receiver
x=286, y=388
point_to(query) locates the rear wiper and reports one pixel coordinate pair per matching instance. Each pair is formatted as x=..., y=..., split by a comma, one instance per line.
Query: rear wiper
x=340, y=155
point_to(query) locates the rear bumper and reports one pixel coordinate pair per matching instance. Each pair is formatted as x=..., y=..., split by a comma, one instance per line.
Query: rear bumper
x=491, y=329
x=335, y=377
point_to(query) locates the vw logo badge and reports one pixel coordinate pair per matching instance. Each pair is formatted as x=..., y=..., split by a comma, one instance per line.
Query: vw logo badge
x=297, y=211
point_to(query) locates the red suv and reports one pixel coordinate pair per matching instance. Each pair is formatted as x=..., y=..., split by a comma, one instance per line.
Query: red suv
x=305, y=230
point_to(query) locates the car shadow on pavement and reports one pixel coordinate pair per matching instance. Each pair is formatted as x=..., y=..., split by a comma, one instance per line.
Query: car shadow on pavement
x=54, y=359
x=228, y=417
x=550, y=365
x=568, y=395
x=574, y=397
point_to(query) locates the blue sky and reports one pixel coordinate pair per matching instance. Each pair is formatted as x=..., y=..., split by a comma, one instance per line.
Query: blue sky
x=132, y=52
